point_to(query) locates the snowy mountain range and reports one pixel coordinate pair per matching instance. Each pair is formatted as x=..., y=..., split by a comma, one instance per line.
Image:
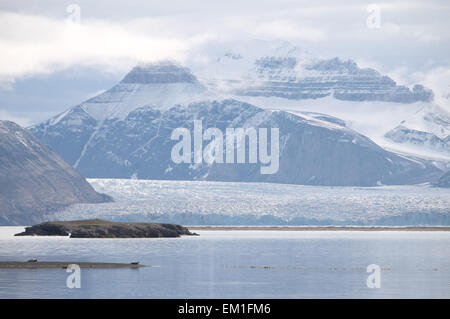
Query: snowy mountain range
x=288, y=78
x=323, y=108
x=314, y=150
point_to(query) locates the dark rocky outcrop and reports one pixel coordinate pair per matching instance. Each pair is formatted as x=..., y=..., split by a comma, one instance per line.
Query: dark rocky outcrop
x=34, y=180
x=97, y=228
x=444, y=181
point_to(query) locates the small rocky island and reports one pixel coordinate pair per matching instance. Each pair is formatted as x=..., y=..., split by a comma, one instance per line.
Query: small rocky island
x=98, y=228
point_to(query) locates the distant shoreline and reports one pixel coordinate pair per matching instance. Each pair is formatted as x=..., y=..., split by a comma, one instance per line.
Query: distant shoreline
x=63, y=264
x=320, y=228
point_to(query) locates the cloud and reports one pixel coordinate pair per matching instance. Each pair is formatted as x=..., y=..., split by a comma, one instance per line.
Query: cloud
x=436, y=78
x=31, y=44
x=6, y=82
x=280, y=29
x=114, y=35
x=289, y=31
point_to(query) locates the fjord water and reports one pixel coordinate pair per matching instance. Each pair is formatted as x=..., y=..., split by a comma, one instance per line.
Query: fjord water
x=235, y=264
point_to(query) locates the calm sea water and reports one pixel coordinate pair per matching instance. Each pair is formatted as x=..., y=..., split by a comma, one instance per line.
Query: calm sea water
x=235, y=264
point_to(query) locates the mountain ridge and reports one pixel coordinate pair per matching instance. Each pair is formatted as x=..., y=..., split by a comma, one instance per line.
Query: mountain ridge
x=140, y=146
x=34, y=180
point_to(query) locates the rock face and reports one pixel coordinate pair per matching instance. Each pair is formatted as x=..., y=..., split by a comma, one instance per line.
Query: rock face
x=283, y=70
x=159, y=73
x=288, y=77
x=404, y=135
x=427, y=128
x=35, y=180
x=444, y=181
x=97, y=228
x=315, y=149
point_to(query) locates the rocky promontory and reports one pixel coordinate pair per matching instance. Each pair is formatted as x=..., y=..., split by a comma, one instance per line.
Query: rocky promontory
x=97, y=228
x=35, y=181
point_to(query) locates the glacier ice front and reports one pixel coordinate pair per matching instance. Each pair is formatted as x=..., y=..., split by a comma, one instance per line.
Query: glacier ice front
x=220, y=203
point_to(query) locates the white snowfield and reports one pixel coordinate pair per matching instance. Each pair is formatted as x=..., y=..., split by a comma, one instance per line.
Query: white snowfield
x=226, y=203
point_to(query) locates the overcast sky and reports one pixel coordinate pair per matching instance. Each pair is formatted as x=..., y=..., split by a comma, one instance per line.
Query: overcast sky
x=54, y=54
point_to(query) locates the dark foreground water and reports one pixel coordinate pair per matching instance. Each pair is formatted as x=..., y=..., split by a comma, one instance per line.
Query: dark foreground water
x=236, y=264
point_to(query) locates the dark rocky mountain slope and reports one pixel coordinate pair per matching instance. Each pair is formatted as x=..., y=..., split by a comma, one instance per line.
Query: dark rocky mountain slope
x=35, y=180
x=314, y=149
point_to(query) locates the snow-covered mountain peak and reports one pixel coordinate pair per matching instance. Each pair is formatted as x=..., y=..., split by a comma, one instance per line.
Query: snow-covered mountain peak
x=159, y=85
x=287, y=71
x=163, y=72
x=430, y=118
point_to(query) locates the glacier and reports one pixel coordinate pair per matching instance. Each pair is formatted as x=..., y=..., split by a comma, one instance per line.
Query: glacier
x=220, y=203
